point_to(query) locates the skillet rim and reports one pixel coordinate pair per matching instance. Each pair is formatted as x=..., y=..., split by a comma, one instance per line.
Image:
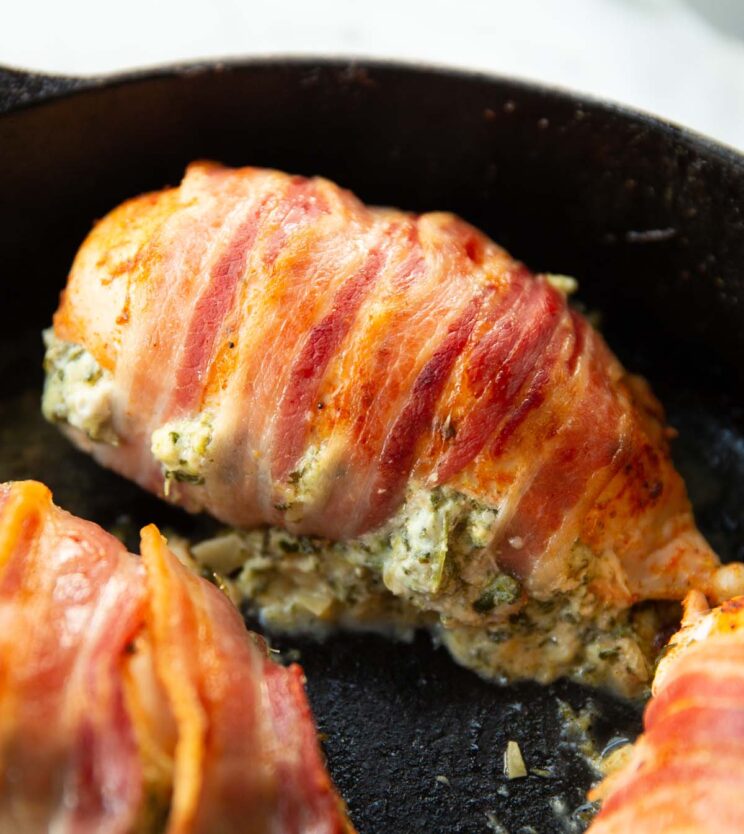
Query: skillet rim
x=22, y=88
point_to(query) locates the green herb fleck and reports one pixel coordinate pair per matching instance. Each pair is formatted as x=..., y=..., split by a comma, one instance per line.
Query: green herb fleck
x=185, y=477
x=504, y=590
x=484, y=603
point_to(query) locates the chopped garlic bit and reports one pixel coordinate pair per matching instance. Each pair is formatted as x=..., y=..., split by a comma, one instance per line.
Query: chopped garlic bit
x=222, y=554
x=616, y=758
x=514, y=767
x=492, y=821
x=565, y=284
x=728, y=582
x=443, y=780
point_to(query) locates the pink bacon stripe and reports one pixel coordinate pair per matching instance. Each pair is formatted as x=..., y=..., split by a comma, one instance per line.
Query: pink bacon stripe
x=397, y=458
x=300, y=203
x=659, y=790
x=211, y=309
x=372, y=420
x=533, y=399
x=505, y=361
x=303, y=203
x=308, y=802
x=710, y=727
x=537, y=391
x=590, y=444
x=698, y=687
x=349, y=498
x=307, y=372
x=581, y=331
x=105, y=784
x=67, y=737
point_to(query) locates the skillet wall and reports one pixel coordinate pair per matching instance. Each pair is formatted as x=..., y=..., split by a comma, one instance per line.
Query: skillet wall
x=649, y=217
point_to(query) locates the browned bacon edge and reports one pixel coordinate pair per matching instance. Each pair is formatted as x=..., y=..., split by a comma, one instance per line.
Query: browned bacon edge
x=78, y=747
x=685, y=773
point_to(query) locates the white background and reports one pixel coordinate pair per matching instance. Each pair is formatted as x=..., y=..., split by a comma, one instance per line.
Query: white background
x=682, y=59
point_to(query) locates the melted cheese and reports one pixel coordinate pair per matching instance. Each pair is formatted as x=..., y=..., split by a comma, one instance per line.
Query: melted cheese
x=77, y=390
x=182, y=447
x=410, y=575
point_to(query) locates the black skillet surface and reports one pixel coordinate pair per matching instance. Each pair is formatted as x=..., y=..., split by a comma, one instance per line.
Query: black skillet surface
x=651, y=220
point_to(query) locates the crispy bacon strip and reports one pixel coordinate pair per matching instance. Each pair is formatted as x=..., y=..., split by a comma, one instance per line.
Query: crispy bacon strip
x=133, y=699
x=684, y=774
x=70, y=601
x=390, y=350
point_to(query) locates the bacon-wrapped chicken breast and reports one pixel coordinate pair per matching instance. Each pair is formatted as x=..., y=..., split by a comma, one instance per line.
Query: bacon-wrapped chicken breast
x=417, y=430
x=133, y=700
x=684, y=774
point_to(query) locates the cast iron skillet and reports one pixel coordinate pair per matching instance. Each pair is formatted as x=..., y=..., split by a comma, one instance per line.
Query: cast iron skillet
x=647, y=216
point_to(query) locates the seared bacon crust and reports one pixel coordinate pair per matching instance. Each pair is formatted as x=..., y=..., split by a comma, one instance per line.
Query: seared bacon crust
x=400, y=349
x=113, y=669
x=684, y=774
x=70, y=601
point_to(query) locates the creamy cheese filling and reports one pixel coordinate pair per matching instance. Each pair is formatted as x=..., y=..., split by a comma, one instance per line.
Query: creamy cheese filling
x=431, y=567
x=182, y=448
x=77, y=390
x=309, y=484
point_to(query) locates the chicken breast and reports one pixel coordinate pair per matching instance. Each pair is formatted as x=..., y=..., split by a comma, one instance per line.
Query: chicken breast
x=133, y=700
x=684, y=774
x=391, y=395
